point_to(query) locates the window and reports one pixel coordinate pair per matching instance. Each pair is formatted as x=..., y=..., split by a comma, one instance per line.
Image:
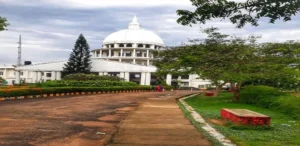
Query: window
x=112, y=46
x=202, y=86
x=1, y=73
x=22, y=73
x=115, y=74
x=140, y=45
x=185, y=77
x=147, y=46
x=121, y=45
x=139, y=54
x=48, y=75
x=174, y=77
x=128, y=54
x=129, y=45
x=185, y=84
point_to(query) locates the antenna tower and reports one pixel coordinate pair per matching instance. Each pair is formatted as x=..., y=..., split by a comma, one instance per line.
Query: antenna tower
x=20, y=51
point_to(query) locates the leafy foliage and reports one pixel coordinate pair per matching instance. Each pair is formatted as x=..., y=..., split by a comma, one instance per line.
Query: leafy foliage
x=15, y=92
x=224, y=59
x=262, y=95
x=3, y=23
x=280, y=134
x=79, y=61
x=239, y=12
x=72, y=83
x=1, y=80
x=270, y=97
x=90, y=77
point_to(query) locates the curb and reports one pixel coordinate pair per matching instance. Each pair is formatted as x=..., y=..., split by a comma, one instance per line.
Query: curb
x=70, y=94
x=204, y=125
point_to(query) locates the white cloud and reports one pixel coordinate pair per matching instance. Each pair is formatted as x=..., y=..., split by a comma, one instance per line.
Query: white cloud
x=93, y=4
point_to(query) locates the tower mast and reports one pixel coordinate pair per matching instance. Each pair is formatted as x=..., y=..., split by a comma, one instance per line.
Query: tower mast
x=20, y=51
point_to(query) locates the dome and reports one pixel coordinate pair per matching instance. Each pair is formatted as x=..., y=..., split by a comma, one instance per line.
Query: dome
x=134, y=34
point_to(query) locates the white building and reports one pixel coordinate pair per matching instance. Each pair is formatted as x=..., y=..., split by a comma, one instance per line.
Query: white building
x=8, y=73
x=127, y=53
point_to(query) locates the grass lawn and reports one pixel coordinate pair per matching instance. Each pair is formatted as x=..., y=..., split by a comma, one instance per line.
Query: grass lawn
x=284, y=130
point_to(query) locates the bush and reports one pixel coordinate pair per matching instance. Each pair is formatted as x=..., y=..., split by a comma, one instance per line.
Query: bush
x=58, y=90
x=269, y=97
x=14, y=92
x=91, y=77
x=289, y=105
x=260, y=95
x=97, y=83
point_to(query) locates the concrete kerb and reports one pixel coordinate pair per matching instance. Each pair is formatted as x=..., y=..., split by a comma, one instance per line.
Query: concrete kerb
x=204, y=125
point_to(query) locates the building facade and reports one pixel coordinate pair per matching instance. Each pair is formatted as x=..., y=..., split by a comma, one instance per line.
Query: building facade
x=127, y=53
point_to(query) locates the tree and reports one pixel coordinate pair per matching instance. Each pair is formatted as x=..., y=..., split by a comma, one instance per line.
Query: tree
x=79, y=61
x=3, y=23
x=239, y=13
x=219, y=58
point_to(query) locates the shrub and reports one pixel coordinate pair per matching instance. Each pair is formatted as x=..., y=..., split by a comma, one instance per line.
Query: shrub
x=290, y=105
x=15, y=92
x=91, y=77
x=260, y=95
x=97, y=83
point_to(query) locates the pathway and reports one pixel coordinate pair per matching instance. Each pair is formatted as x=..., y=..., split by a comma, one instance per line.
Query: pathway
x=158, y=122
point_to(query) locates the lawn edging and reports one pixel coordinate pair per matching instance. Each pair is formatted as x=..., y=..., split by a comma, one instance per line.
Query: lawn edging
x=204, y=125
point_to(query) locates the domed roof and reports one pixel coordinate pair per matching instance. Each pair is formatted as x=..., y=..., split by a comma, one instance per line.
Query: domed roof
x=134, y=34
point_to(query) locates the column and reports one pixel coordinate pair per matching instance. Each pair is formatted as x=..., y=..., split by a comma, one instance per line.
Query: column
x=127, y=76
x=5, y=74
x=120, y=60
x=95, y=54
x=100, y=53
x=143, y=80
x=169, y=79
x=133, y=61
x=34, y=77
x=26, y=76
x=109, y=53
x=122, y=75
x=121, y=53
x=53, y=76
x=190, y=80
x=134, y=53
x=148, y=62
x=58, y=75
x=39, y=77
x=17, y=77
x=147, y=53
x=105, y=73
x=148, y=78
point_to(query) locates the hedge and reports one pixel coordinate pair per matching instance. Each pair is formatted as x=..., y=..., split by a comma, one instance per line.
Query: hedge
x=64, y=83
x=269, y=97
x=58, y=90
x=91, y=77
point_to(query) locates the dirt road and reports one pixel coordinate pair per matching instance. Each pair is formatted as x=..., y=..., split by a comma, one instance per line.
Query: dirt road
x=66, y=121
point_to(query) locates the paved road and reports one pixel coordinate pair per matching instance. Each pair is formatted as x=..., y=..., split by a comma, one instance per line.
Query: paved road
x=65, y=121
x=158, y=122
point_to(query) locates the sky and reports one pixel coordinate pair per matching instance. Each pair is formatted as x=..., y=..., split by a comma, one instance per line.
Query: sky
x=49, y=28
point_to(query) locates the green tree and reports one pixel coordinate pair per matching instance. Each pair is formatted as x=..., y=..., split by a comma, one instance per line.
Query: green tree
x=3, y=23
x=219, y=58
x=239, y=13
x=79, y=61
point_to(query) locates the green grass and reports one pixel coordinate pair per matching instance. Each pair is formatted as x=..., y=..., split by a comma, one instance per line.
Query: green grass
x=275, y=135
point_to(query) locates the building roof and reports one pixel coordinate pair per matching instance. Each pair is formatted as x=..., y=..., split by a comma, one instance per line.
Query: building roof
x=134, y=34
x=3, y=66
x=98, y=65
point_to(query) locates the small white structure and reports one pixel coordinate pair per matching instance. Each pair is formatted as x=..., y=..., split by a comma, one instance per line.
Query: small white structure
x=127, y=53
x=7, y=72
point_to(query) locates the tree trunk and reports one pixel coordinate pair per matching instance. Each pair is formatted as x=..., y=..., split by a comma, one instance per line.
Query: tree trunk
x=216, y=92
x=236, y=91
